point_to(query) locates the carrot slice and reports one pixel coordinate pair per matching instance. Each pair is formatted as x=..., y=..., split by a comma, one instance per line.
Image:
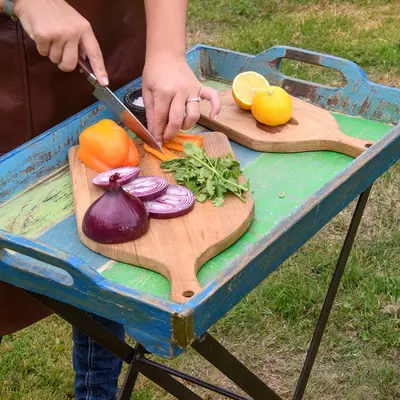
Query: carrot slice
x=180, y=140
x=168, y=155
x=186, y=136
x=172, y=145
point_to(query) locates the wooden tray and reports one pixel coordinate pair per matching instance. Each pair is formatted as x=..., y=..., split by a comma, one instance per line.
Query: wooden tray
x=177, y=247
x=311, y=128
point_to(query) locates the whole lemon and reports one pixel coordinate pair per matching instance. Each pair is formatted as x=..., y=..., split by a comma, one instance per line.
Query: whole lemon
x=272, y=107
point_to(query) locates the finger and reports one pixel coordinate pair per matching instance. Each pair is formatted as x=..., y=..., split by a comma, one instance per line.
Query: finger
x=213, y=97
x=192, y=114
x=147, y=96
x=82, y=52
x=70, y=57
x=95, y=56
x=162, y=103
x=56, y=51
x=175, y=117
x=43, y=46
x=42, y=40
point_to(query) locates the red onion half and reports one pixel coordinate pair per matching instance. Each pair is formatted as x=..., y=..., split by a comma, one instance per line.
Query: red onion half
x=115, y=217
x=147, y=187
x=126, y=174
x=177, y=201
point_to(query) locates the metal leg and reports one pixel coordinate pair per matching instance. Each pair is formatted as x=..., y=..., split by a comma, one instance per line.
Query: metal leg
x=119, y=348
x=232, y=368
x=330, y=297
x=167, y=382
x=131, y=376
x=207, y=346
x=88, y=326
x=160, y=367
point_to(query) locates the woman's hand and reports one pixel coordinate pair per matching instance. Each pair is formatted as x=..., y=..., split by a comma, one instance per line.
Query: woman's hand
x=61, y=33
x=168, y=84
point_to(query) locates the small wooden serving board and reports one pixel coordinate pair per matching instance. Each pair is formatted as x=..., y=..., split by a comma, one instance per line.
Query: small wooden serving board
x=311, y=128
x=177, y=247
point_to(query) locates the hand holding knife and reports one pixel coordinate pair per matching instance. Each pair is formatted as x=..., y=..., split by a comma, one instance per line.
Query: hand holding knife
x=111, y=101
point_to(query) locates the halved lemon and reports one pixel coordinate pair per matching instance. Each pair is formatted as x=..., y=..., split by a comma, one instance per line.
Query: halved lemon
x=244, y=87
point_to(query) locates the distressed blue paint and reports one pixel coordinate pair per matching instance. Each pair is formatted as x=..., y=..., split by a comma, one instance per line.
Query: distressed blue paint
x=273, y=249
x=89, y=291
x=154, y=346
x=151, y=317
x=358, y=97
x=64, y=236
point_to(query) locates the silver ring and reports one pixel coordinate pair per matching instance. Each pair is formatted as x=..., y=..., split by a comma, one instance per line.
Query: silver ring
x=194, y=99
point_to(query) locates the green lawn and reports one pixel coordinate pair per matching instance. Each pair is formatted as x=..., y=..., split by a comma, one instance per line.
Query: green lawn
x=270, y=329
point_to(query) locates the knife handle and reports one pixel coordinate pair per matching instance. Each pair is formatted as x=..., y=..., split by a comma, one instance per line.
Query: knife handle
x=87, y=70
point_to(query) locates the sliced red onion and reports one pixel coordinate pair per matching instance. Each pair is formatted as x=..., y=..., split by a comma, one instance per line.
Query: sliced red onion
x=126, y=174
x=177, y=201
x=115, y=217
x=147, y=187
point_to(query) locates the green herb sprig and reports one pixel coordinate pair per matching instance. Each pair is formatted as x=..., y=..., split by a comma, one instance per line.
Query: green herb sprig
x=208, y=178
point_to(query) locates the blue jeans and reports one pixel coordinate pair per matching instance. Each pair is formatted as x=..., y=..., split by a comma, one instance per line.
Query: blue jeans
x=96, y=369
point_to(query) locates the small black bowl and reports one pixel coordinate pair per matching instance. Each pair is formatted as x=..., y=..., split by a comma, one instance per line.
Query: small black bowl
x=138, y=110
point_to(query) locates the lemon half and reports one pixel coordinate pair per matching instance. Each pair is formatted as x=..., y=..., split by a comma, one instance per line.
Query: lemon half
x=244, y=87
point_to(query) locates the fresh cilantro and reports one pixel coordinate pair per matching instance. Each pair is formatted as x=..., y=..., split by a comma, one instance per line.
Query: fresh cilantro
x=208, y=178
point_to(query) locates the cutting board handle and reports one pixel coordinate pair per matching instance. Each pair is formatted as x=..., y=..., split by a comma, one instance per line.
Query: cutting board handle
x=184, y=283
x=348, y=145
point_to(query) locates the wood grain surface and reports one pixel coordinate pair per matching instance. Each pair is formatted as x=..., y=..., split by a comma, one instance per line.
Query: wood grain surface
x=311, y=128
x=177, y=247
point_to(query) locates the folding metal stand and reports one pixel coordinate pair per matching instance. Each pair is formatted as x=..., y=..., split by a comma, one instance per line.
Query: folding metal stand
x=207, y=346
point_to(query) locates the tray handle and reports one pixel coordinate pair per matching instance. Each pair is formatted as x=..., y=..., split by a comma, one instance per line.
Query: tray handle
x=352, y=73
x=82, y=274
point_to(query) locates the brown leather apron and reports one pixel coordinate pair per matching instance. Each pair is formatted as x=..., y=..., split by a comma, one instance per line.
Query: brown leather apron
x=35, y=95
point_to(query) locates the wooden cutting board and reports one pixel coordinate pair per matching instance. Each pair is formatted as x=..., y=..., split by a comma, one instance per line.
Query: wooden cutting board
x=311, y=128
x=177, y=247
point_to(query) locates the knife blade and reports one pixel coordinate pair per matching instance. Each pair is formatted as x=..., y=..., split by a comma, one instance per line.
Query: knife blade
x=115, y=105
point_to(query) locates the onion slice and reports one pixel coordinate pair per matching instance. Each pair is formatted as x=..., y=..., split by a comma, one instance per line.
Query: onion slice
x=177, y=201
x=126, y=174
x=147, y=187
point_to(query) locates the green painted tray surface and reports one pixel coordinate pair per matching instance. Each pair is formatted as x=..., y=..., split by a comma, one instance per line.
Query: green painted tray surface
x=280, y=184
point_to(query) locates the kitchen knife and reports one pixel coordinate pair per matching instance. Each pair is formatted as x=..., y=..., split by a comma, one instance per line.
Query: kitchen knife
x=115, y=105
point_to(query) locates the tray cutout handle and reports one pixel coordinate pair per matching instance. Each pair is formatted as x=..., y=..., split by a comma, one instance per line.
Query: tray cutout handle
x=350, y=71
x=82, y=275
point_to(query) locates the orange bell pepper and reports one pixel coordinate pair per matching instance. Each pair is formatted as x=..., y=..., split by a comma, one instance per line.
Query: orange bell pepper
x=106, y=145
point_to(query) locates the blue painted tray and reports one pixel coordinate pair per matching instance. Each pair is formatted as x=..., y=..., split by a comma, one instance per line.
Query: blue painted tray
x=295, y=195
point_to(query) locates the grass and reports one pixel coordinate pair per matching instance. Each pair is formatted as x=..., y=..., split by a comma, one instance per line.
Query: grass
x=270, y=329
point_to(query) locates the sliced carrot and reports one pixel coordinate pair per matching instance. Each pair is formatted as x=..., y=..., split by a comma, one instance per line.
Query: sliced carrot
x=178, y=145
x=181, y=141
x=172, y=145
x=168, y=155
x=186, y=136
